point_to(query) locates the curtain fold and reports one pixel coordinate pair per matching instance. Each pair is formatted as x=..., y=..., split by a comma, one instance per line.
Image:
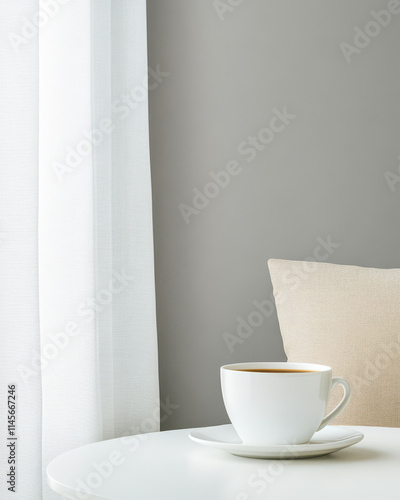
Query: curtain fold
x=76, y=269
x=71, y=415
x=124, y=234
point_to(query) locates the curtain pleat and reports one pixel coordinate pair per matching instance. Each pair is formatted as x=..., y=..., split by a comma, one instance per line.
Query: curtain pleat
x=71, y=415
x=103, y=233
x=123, y=218
x=134, y=325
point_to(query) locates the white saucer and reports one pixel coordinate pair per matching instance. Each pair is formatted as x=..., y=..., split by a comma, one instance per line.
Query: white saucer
x=328, y=440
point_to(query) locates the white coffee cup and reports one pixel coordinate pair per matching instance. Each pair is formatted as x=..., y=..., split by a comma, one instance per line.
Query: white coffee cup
x=269, y=408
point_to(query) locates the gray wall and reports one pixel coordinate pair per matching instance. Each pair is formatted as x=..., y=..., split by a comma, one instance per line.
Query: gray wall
x=322, y=174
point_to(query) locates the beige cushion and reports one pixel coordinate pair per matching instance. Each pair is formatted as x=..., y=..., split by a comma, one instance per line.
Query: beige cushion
x=346, y=317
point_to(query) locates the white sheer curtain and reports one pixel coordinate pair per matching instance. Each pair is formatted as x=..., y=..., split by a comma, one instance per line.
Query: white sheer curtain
x=84, y=264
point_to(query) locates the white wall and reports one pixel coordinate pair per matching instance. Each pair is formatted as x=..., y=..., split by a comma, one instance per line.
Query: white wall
x=322, y=175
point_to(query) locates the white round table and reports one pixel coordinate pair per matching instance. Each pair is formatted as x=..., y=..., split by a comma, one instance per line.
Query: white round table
x=169, y=466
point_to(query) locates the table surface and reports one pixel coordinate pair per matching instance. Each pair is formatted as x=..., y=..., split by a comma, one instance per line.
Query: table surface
x=169, y=466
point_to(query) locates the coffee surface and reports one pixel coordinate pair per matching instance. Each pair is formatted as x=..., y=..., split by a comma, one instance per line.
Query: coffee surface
x=273, y=370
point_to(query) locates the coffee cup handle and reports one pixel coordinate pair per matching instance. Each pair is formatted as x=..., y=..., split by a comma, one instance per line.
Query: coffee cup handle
x=343, y=403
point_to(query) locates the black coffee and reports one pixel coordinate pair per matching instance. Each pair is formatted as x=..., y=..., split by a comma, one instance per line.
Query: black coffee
x=273, y=370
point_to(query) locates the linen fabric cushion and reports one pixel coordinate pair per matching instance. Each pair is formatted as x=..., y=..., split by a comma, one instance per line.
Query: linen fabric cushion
x=347, y=317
